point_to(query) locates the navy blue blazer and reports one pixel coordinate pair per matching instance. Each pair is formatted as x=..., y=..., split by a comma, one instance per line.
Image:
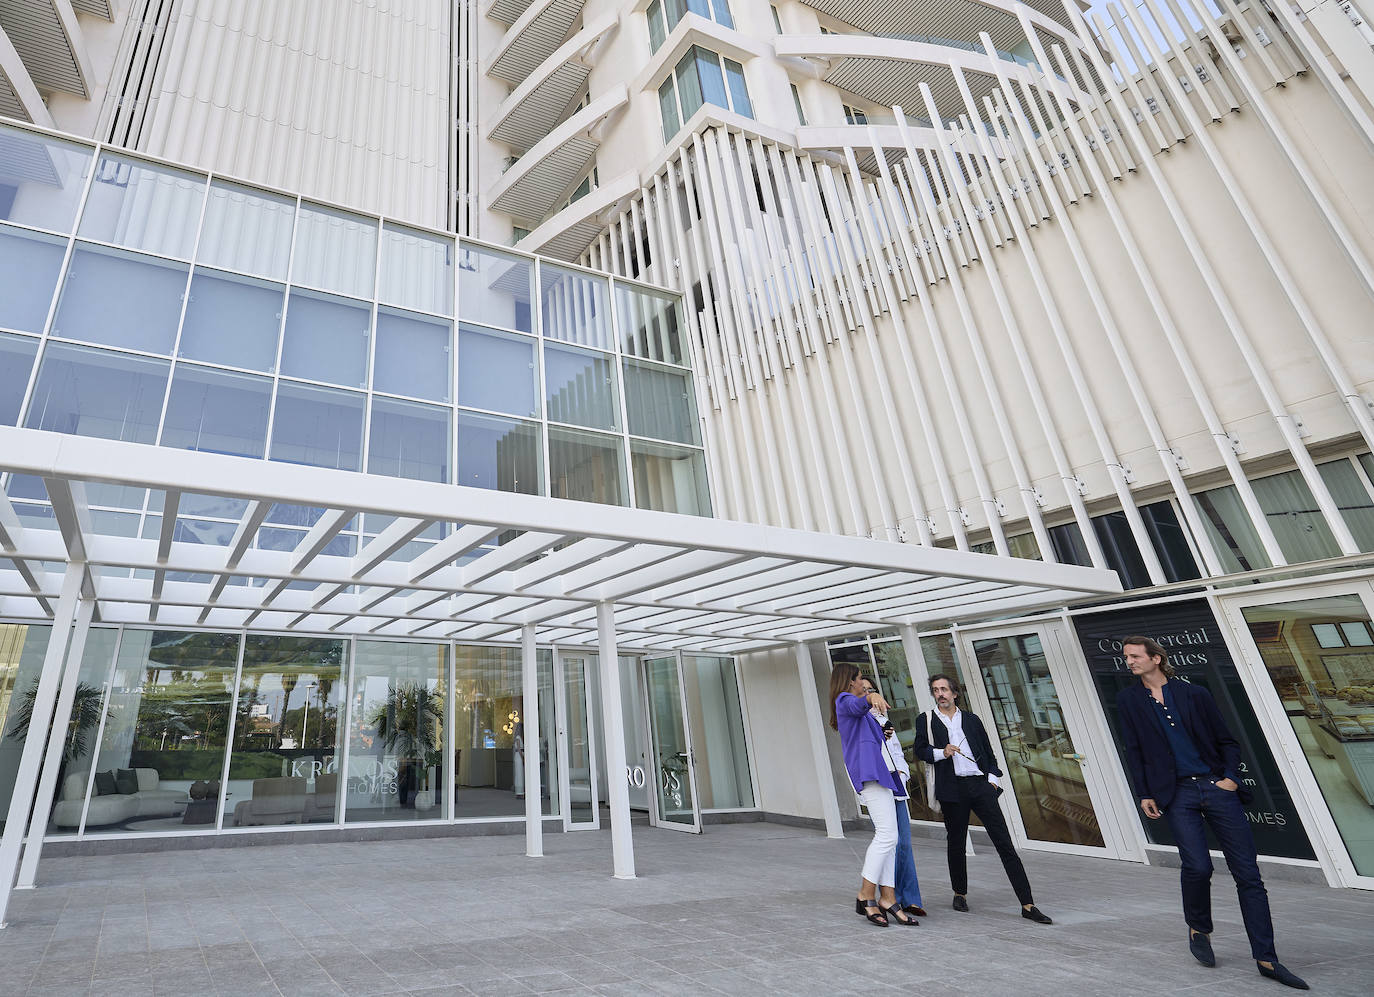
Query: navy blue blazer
x=1149, y=759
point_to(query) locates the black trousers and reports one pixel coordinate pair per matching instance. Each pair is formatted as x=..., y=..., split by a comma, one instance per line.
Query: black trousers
x=978, y=796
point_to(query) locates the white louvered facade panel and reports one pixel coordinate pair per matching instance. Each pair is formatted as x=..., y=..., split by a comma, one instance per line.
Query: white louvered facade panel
x=349, y=108
x=40, y=31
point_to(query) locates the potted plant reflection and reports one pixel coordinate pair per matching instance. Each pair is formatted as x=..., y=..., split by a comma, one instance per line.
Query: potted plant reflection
x=409, y=726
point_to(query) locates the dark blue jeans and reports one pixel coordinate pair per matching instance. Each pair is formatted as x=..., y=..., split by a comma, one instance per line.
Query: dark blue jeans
x=1199, y=802
x=908, y=887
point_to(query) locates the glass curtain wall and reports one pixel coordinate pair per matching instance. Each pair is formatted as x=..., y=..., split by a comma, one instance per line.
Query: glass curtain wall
x=489, y=738
x=718, y=739
x=283, y=766
x=21, y=662
x=397, y=768
x=207, y=315
x=88, y=716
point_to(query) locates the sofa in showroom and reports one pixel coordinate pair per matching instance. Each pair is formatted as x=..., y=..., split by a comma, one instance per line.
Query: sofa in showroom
x=149, y=800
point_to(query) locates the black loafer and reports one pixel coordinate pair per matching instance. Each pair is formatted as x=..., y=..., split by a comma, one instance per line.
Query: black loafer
x=1282, y=975
x=1201, y=947
x=960, y=904
x=1034, y=913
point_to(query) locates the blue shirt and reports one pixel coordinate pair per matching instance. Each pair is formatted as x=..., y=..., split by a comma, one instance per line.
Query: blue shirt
x=1187, y=760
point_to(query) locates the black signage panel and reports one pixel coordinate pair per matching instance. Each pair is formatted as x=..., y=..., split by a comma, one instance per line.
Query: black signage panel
x=1191, y=635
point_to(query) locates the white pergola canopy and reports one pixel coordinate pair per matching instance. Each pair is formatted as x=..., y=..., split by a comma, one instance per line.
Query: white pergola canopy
x=675, y=582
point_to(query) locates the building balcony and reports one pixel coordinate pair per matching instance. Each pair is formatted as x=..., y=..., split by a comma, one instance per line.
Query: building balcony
x=567, y=234
x=538, y=104
x=534, y=36
x=887, y=71
x=48, y=41
x=546, y=174
x=953, y=19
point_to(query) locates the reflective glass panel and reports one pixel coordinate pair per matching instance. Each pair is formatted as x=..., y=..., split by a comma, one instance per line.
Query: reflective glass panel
x=232, y=320
x=142, y=206
x=1292, y=512
x=574, y=307
x=739, y=93
x=16, y=363
x=501, y=454
x=409, y=440
x=650, y=324
x=326, y=338
x=659, y=403
x=414, y=355
x=284, y=767
x=671, y=752
x=121, y=299
x=397, y=766
x=162, y=751
x=92, y=392
x=722, y=753
x=1043, y=766
x=29, y=266
x=42, y=178
x=1352, y=498
x=83, y=723
x=217, y=411
x=335, y=251
x=496, y=371
x=1234, y=536
x=669, y=479
x=667, y=106
x=416, y=270
x=319, y=426
x=940, y=658
x=580, y=387
x=1328, y=695
x=1170, y=541
x=247, y=230
x=588, y=467
x=21, y=662
x=488, y=713
x=688, y=86
x=495, y=288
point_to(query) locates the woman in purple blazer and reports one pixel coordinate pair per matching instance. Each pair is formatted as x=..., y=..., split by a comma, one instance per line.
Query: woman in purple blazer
x=871, y=772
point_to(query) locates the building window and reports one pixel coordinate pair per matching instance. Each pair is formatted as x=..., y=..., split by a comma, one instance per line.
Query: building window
x=664, y=15
x=702, y=77
x=796, y=99
x=854, y=115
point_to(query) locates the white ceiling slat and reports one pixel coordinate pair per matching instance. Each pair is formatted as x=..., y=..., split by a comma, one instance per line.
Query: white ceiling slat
x=509, y=555
x=388, y=542
x=462, y=541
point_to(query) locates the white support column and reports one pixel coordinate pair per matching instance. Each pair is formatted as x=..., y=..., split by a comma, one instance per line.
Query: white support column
x=534, y=789
x=57, y=741
x=613, y=728
x=45, y=698
x=916, y=666
x=825, y=782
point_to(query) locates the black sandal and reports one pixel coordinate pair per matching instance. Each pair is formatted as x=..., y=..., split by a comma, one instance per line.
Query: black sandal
x=899, y=915
x=862, y=908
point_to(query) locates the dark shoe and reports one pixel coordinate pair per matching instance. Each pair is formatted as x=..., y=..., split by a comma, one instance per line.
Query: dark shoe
x=915, y=910
x=960, y=904
x=1281, y=973
x=898, y=914
x=874, y=913
x=1201, y=947
x=1034, y=913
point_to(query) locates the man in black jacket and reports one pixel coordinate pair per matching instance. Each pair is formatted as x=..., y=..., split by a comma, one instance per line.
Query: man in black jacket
x=1186, y=765
x=966, y=775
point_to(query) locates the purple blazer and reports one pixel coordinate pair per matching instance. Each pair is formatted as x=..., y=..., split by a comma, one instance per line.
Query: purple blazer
x=861, y=739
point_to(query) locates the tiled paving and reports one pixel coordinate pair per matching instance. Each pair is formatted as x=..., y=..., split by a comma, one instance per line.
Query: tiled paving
x=743, y=909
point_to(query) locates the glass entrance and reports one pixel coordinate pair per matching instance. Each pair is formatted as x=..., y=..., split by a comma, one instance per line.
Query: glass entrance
x=576, y=750
x=1029, y=709
x=1317, y=657
x=675, y=791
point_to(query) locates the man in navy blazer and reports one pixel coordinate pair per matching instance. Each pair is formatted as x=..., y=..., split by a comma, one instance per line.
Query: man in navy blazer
x=1185, y=765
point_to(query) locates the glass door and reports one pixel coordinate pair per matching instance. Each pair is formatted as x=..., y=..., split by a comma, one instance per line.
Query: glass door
x=1311, y=674
x=576, y=750
x=1054, y=795
x=674, y=802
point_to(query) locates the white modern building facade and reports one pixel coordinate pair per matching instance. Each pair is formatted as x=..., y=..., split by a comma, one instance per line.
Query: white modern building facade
x=445, y=417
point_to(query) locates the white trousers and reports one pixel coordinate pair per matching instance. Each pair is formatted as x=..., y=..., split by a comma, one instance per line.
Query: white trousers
x=881, y=861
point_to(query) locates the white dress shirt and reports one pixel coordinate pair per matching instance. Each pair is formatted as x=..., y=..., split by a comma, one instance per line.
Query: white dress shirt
x=963, y=758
